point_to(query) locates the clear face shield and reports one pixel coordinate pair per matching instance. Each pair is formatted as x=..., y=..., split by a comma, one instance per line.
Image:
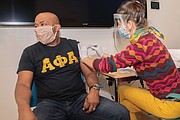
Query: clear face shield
x=120, y=20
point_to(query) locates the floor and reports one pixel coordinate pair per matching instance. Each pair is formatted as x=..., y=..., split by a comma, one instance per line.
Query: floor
x=145, y=116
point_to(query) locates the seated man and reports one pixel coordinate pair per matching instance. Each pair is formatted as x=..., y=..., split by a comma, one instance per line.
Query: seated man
x=54, y=64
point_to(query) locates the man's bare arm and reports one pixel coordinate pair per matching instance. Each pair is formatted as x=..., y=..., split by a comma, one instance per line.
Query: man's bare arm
x=92, y=99
x=23, y=95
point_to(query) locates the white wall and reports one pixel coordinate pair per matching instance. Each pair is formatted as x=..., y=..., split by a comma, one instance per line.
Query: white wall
x=167, y=20
x=14, y=39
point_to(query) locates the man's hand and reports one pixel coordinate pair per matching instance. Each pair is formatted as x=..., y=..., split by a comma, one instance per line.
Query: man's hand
x=91, y=101
x=27, y=115
x=83, y=51
x=97, y=48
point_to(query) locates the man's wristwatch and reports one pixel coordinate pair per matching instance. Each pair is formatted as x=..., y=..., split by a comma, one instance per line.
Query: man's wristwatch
x=95, y=86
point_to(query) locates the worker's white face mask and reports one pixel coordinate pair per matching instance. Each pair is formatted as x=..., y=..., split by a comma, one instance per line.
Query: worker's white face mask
x=45, y=34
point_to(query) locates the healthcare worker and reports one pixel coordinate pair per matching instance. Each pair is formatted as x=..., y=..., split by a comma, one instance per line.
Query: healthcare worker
x=149, y=57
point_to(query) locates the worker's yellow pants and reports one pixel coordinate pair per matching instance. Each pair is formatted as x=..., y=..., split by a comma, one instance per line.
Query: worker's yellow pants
x=138, y=99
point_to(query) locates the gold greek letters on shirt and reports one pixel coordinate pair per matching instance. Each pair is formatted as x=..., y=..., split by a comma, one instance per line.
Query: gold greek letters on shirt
x=59, y=61
x=47, y=64
x=72, y=57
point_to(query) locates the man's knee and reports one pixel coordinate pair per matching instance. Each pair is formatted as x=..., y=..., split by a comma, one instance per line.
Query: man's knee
x=114, y=110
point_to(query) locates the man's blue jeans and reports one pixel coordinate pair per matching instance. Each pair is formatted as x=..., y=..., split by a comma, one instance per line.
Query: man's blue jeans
x=106, y=110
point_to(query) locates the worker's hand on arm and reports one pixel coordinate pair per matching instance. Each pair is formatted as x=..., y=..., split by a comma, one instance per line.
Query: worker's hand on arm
x=91, y=101
x=97, y=48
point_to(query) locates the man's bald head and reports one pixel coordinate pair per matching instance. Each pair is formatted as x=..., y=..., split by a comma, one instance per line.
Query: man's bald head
x=48, y=17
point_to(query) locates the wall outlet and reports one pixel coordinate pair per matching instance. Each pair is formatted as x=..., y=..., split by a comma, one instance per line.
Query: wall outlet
x=155, y=5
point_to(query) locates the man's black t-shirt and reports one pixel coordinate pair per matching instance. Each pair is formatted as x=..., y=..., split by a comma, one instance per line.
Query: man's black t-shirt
x=56, y=69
